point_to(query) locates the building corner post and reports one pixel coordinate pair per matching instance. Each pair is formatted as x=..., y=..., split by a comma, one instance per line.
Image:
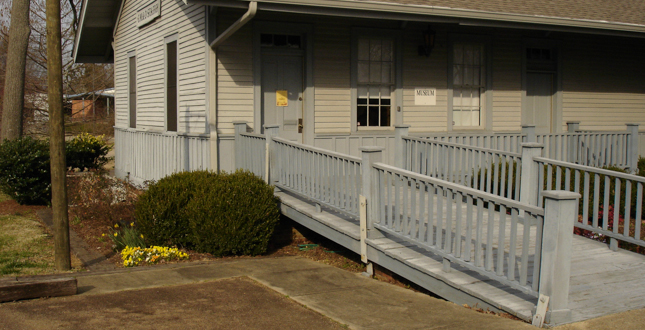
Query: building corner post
x=530, y=173
x=270, y=131
x=555, y=264
x=633, y=151
x=400, y=151
x=240, y=127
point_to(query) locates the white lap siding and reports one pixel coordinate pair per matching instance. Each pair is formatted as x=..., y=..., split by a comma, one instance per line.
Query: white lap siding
x=188, y=22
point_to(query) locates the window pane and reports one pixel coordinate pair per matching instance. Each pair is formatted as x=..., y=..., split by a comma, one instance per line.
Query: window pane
x=385, y=115
x=475, y=99
x=385, y=101
x=456, y=98
x=477, y=55
x=458, y=54
x=456, y=117
x=374, y=116
x=476, y=76
x=457, y=73
x=375, y=72
x=468, y=75
x=363, y=49
x=361, y=116
x=386, y=71
x=363, y=72
x=387, y=50
x=475, y=119
x=294, y=41
x=266, y=39
x=468, y=55
x=466, y=119
x=280, y=40
x=375, y=50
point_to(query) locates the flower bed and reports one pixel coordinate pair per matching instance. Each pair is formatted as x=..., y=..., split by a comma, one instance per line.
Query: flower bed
x=135, y=256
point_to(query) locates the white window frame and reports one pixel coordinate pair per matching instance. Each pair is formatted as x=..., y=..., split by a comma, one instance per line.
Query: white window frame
x=394, y=85
x=132, y=54
x=483, y=88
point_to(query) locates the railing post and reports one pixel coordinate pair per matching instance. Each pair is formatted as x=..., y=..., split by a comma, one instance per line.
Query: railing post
x=400, y=152
x=529, y=175
x=240, y=127
x=632, y=148
x=270, y=131
x=557, y=238
x=529, y=131
x=370, y=155
x=572, y=127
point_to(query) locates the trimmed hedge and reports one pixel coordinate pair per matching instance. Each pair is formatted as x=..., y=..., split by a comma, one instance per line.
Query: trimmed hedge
x=222, y=214
x=161, y=210
x=25, y=170
x=236, y=214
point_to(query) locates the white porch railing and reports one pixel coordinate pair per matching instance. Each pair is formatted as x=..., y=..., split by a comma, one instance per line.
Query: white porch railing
x=619, y=217
x=513, y=243
x=250, y=153
x=489, y=170
x=145, y=156
x=471, y=228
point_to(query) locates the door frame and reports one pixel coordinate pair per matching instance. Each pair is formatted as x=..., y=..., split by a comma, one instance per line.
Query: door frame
x=306, y=30
x=556, y=111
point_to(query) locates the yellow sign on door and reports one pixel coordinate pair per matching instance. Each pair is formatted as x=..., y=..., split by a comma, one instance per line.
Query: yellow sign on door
x=281, y=98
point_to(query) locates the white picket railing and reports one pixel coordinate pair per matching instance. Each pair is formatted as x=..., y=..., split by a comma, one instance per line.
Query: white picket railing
x=143, y=156
x=251, y=152
x=329, y=178
x=590, y=148
x=489, y=170
x=474, y=229
x=619, y=217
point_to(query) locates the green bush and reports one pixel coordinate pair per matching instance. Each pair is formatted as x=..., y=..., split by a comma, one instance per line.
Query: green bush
x=161, y=210
x=220, y=214
x=24, y=170
x=86, y=151
x=235, y=214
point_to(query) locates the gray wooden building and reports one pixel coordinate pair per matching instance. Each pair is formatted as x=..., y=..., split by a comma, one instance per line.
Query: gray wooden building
x=340, y=74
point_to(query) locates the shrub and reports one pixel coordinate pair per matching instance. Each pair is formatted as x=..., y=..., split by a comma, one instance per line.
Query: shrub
x=161, y=210
x=101, y=198
x=235, y=214
x=24, y=170
x=86, y=151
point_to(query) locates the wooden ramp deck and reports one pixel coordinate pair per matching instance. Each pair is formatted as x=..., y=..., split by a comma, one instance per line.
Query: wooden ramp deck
x=602, y=281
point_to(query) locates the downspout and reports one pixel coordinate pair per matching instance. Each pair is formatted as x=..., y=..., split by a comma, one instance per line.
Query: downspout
x=253, y=8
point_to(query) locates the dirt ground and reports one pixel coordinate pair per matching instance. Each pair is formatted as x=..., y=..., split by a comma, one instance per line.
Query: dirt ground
x=237, y=303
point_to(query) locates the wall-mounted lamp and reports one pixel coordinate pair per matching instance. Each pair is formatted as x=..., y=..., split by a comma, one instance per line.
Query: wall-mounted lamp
x=428, y=42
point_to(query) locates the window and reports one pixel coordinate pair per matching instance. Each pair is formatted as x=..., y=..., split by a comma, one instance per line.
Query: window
x=468, y=84
x=280, y=40
x=132, y=90
x=375, y=81
x=171, y=86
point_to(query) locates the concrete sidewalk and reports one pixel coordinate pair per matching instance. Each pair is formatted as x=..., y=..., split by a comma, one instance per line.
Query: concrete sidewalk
x=350, y=299
x=230, y=294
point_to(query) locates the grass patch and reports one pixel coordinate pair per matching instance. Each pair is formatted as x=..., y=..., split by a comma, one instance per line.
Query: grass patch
x=25, y=247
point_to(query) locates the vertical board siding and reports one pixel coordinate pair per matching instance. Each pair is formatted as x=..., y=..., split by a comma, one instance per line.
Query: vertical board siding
x=188, y=21
x=143, y=156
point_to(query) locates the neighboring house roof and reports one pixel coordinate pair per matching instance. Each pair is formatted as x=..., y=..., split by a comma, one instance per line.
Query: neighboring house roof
x=620, y=17
x=108, y=92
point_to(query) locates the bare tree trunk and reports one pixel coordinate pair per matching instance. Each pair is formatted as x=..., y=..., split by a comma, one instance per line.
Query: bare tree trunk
x=14, y=87
x=57, y=138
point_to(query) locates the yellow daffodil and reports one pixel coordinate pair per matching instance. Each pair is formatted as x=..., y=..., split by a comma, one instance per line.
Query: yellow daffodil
x=131, y=224
x=116, y=234
x=103, y=235
x=116, y=225
x=141, y=235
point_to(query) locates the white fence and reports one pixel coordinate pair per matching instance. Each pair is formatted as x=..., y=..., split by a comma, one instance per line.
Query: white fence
x=145, y=156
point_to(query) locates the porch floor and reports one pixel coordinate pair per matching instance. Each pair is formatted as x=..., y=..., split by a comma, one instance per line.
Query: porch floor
x=602, y=281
